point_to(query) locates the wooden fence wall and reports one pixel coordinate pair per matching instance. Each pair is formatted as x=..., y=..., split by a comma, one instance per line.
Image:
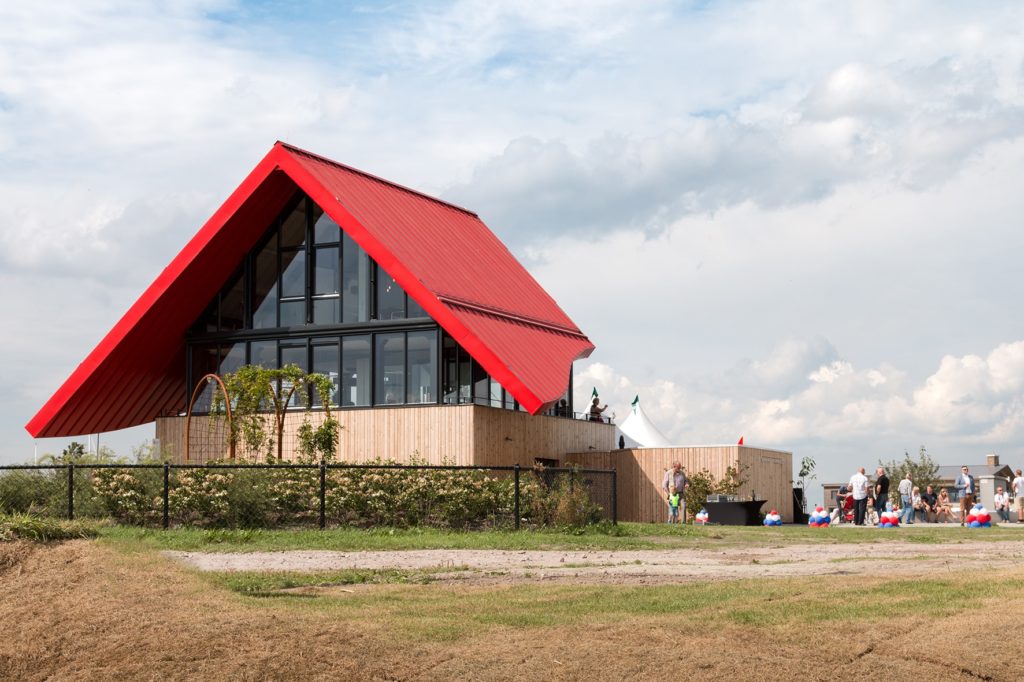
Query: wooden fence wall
x=436, y=434
x=640, y=473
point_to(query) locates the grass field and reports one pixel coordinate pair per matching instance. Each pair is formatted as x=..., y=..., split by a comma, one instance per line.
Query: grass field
x=116, y=608
x=605, y=537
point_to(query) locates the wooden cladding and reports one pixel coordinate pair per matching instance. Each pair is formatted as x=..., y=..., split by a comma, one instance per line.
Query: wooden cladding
x=768, y=473
x=486, y=436
x=435, y=434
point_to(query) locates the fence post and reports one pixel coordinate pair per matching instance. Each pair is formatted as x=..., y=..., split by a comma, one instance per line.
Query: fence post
x=71, y=491
x=615, y=497
x=323, y=494
x=516, y=498
x=167, y=490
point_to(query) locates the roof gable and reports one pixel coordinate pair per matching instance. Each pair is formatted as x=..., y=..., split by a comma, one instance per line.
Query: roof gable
x=444, y=257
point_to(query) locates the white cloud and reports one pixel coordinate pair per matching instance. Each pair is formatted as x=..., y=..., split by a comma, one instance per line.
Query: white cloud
x=722, y=195
x=964, y=407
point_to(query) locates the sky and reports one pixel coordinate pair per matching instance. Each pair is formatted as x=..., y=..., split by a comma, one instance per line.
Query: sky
x=795, y=222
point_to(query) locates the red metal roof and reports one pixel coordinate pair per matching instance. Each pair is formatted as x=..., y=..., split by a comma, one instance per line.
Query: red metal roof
x=442, y=255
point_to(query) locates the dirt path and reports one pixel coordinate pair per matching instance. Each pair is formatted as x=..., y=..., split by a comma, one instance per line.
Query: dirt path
x=638, y=566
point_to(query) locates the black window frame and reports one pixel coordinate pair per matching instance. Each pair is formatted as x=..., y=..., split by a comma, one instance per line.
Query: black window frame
x=312, y=334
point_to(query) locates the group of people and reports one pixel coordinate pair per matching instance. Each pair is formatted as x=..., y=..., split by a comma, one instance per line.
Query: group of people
x=867, y=499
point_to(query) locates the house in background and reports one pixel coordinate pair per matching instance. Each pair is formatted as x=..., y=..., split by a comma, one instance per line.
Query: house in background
x=438, y=341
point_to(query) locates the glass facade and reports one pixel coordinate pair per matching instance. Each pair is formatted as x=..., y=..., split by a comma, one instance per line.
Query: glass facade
x=308, y=295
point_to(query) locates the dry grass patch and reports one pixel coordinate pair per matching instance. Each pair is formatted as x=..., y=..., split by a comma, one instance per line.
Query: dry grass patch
x=84, y=611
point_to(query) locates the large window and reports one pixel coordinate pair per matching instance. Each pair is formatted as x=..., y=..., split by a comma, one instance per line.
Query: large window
x=355, y=282
x=355, y=370
x=390, y=369
x=308, y=294
x=327, y=361
x=306, y=271
x=421, y=379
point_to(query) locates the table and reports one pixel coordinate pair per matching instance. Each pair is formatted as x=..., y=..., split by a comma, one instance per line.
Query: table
x=746, y=513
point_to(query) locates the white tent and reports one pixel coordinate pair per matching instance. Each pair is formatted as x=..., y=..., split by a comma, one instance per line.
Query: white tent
x=638, y=429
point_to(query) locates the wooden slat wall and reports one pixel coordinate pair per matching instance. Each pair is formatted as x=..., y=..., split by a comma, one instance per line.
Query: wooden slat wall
x=769, y=474
x=640, y=473
x=504, y=437
x=170, y=433
x=453, y=434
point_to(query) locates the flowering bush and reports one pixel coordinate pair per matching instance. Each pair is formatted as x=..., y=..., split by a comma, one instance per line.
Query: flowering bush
x=201, y=497
x=294, y=494
x=125, y=496
x=250, y=497
x=410, y=497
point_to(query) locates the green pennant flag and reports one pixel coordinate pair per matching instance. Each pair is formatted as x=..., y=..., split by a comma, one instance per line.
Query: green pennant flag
x=636, y=401
x=594, y=393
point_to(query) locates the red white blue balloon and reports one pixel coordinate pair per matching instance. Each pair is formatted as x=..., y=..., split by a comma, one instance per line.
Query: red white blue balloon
x=978, y=517
x=701, y=518
x=889, y=519
x=819, y=518
x=773, y=518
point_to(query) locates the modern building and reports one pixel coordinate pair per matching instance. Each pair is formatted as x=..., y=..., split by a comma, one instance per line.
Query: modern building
x=438, y=341
x=439, y=344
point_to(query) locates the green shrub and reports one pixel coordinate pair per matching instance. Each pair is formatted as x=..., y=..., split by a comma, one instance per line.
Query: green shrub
x=410, y=497
x=214, y=497
x=26, y=491
x=42, y=529
x=132, y=496
x=201, y=497
x=559, y=499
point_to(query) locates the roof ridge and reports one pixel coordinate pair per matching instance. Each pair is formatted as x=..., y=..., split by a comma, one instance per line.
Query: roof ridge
x=377, y=178
x=511, y=315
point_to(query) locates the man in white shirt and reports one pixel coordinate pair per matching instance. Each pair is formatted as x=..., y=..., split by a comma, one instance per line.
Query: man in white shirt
x=859, y=490
x=906, y=503
x=1018, y=496
x=1002, y=504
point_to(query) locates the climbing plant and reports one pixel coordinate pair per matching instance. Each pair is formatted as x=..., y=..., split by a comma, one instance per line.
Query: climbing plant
x=259, y=402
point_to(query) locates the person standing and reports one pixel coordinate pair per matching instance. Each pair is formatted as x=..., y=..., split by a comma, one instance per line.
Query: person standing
x=596, y=410
x=859, y=488
x=965, y=487
x=906, y=502
x=675, y=483
x=881, y=491
x=1018, y=496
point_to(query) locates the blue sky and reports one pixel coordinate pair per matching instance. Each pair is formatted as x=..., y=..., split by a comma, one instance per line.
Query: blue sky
x=796, y=222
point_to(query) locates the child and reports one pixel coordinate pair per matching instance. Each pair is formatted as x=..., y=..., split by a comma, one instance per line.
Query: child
x=673, y=508
x=871, y=518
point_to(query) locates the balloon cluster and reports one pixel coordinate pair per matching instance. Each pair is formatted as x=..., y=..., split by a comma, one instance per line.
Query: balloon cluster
x=978, y=517
x=773, y=518
x=889, y=519
x=701, y=518
x=819, y=518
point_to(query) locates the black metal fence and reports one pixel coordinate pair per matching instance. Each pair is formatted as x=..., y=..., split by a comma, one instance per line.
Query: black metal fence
x=321, y=494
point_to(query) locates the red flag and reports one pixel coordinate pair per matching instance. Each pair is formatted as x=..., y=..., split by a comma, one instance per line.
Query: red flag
x=741, y=441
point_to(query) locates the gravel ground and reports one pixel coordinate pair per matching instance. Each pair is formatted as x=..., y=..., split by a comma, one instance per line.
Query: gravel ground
x=638, y=566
